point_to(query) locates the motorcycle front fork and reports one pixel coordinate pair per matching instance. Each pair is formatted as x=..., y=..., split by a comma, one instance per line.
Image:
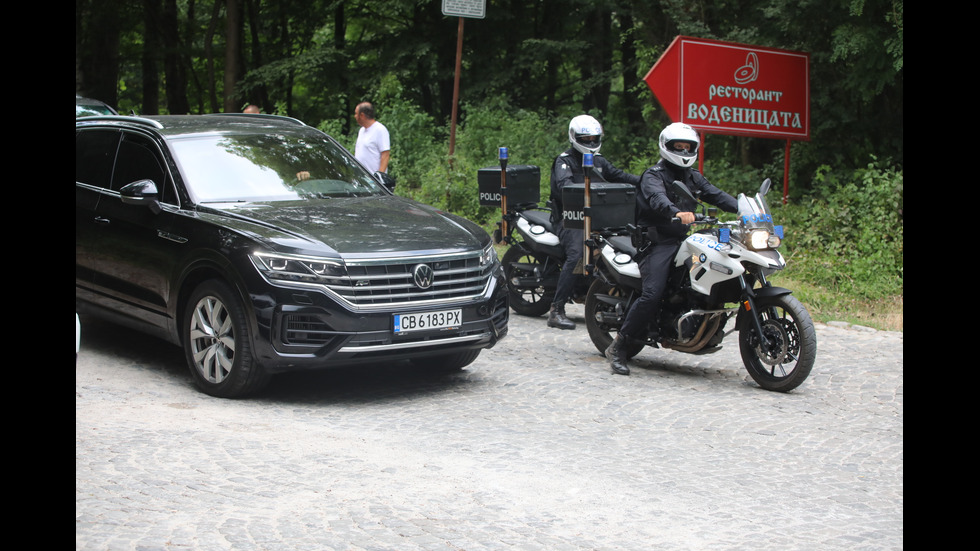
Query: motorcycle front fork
x=748, y=302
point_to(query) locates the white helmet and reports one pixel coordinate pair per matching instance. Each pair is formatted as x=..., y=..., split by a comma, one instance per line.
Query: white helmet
x=585, y=134
x=679, y=132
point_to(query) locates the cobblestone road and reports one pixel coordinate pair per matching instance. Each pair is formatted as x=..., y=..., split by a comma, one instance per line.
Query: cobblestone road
x=536, y=446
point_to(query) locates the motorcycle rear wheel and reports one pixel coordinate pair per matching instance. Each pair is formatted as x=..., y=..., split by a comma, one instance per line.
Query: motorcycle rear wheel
x=526, y=301
x=601, y=334
x=783, y=358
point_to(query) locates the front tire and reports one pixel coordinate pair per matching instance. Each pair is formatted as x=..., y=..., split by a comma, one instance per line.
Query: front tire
x=782, y=359
x=600, y=332
x=217, y=344
x=526, y=301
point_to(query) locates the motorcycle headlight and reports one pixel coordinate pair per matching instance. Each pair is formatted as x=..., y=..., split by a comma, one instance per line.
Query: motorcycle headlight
x=761, y=240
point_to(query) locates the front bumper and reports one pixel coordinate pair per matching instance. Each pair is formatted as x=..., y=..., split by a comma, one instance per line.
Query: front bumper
x=306, y=329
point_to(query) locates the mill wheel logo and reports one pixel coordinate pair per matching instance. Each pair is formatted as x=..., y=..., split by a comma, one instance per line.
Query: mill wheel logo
x=748, y=72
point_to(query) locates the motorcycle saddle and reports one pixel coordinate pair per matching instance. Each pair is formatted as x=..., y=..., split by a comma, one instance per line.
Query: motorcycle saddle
x=623, y=244
x=540, y=218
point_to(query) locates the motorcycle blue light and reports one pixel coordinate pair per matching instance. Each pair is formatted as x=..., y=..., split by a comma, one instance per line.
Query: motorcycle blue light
x=779, y=232
x=724, y=235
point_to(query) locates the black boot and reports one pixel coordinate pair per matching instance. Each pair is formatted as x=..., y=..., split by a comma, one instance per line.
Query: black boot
x=617, y=355
x=557, y=318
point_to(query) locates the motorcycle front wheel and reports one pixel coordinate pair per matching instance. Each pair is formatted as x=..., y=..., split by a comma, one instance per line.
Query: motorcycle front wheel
x=782, y=358
x=526, y=300
x=597, y=314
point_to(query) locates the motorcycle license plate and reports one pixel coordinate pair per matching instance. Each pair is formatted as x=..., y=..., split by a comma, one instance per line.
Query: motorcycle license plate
x=427, y=321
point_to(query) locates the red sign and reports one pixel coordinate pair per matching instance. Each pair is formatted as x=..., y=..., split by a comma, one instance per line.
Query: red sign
x=729, y=88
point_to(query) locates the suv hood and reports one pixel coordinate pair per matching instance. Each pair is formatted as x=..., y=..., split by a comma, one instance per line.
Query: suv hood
x=358, y=226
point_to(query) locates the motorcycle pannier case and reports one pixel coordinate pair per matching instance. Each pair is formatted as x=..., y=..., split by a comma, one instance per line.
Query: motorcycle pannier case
x=612, y=205
x=523, y=185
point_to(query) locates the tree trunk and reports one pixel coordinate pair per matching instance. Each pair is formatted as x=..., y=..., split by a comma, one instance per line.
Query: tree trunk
x=176, y=73
x=97, y=32
x=212, y=84
x=148, y=61
x=340, y=44
x=260, y=94
x=233, y=40
x=631, y=104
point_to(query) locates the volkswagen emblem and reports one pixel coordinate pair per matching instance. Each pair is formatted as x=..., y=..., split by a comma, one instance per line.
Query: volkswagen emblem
x=423, y=276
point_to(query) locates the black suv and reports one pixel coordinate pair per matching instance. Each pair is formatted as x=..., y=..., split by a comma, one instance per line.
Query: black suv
x=260, y=245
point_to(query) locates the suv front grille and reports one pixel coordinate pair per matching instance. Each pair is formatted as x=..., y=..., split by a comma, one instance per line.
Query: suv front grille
x=376, y=283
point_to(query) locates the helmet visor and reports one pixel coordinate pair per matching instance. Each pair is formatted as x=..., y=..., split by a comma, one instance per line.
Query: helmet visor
x=682, y=147
x=588, y=140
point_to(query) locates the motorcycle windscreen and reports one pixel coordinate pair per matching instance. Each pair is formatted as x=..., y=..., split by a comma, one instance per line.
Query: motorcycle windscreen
x=754, y=213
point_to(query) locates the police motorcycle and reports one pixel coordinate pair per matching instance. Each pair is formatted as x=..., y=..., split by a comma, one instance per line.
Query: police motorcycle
x=534, y=257
x=720, y=272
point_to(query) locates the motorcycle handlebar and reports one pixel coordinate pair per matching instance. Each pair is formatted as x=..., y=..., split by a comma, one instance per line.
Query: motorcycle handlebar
x=698, y=219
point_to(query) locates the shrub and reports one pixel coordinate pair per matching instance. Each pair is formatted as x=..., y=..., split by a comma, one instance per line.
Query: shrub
x=531, y=139
x=849, y=234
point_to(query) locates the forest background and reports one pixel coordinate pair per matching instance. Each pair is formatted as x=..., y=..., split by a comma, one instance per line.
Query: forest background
x=527, y=69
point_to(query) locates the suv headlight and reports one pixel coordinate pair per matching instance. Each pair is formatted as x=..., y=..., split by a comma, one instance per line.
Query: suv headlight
x=489, y=256
x=298, y=268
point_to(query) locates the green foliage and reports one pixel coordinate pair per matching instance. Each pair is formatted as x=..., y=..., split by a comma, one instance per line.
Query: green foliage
x=734, y=179
x=531, y=138
x=848, y=236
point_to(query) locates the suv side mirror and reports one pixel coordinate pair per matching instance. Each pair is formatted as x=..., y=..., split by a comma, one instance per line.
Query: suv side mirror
x=141, y=192
x=385, y=180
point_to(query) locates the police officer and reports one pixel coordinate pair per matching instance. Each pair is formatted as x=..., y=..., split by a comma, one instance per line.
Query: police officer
x=656, y=206
x=585, y=135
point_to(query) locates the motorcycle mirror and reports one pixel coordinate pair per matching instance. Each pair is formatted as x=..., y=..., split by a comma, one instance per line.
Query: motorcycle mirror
x=764, y=188
x=681, y=189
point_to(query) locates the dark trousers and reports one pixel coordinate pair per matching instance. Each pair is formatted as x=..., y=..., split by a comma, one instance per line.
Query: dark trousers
x=654, y=270
x=573, y=243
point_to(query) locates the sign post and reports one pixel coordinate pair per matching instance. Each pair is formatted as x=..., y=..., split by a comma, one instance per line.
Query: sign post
x=461, y=9
x=737, y=89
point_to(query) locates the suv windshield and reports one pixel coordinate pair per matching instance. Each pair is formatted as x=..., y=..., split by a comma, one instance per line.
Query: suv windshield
x=269, y=167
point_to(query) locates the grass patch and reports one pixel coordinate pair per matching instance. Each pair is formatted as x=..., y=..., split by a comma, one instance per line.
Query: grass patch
x=824, y=305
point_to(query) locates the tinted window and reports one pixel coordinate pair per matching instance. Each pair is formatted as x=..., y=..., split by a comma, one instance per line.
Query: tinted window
x=95, y=151
x=138, y=159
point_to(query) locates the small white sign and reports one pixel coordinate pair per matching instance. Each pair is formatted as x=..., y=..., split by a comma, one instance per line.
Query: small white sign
x=465, y=8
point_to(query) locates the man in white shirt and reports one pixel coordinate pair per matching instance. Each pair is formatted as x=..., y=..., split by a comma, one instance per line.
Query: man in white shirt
x=373, y=147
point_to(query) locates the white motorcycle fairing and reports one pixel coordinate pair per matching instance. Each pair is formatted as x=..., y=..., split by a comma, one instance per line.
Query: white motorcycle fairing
x=536, y=233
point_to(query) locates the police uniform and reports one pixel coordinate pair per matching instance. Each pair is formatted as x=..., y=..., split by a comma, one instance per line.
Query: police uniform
x=656, y=205
x=568, y=169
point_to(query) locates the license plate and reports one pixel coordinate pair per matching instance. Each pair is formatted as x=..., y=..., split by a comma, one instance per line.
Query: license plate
x=426, y=321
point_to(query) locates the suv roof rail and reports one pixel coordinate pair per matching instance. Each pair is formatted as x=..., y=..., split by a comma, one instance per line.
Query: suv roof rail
x=297, y=122
x=124, y=118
